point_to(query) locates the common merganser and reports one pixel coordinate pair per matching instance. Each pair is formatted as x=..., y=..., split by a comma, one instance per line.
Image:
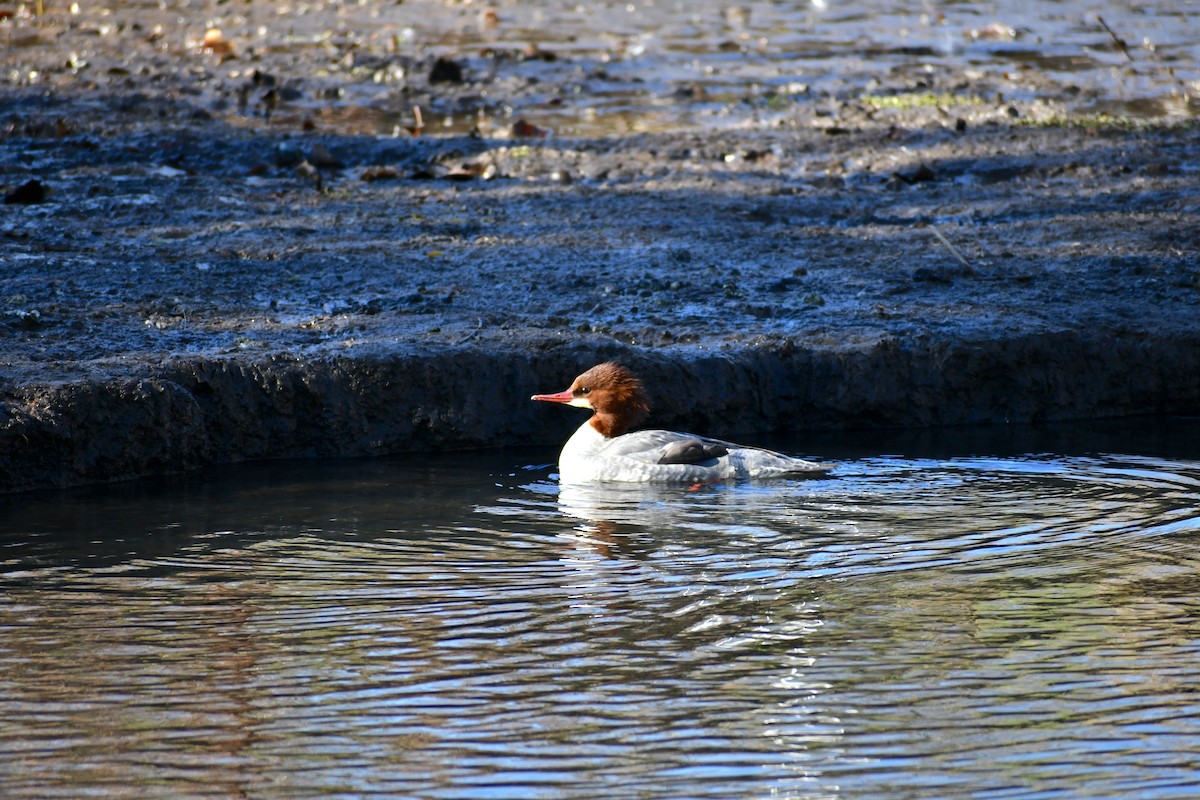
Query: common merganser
x=603, y=449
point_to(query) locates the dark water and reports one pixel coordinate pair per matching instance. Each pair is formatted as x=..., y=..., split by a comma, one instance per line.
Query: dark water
x=967, y=615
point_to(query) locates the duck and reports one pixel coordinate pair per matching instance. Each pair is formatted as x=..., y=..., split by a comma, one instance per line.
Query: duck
x=605, y=448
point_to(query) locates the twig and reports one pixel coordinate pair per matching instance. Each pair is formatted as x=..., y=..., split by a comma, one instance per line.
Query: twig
x=1117, y=40
x=953, y=250
x=472, y=334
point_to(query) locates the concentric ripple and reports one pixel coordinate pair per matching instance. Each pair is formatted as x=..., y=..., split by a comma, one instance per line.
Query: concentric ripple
x=969, y=626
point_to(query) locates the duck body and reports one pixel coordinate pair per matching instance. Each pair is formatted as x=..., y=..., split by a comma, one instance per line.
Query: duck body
x=603, y=449
x=646, y=456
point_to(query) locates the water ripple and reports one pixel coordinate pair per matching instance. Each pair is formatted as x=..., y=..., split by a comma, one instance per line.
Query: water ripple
x=992, y=627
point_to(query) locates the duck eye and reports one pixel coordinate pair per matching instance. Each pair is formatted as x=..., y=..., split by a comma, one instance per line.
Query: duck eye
x=585, y=390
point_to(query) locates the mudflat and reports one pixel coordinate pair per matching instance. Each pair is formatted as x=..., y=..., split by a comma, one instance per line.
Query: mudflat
x=233, y=234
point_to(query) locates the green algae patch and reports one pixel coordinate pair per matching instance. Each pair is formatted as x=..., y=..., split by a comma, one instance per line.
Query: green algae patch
x=914, y=100
x=1112, y=122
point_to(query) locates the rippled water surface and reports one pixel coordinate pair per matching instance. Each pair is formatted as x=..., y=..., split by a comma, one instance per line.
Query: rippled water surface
x=967, y=617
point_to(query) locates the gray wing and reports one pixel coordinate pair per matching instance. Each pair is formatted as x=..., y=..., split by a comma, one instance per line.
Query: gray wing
x=670, y=447
x=666, y=447
x=692, y=451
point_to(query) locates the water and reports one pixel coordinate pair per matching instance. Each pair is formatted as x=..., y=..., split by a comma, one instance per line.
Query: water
x=605, y=67
x=660, y=65
x=968, y=615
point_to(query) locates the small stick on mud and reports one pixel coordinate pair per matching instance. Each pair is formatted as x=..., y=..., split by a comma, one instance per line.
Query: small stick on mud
x=472, y=334
x=953, y=250
x=1117, y=40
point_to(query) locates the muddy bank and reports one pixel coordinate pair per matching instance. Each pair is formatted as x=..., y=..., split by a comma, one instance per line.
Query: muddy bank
x=180, y=299
x=196, y=412
x=186, y=279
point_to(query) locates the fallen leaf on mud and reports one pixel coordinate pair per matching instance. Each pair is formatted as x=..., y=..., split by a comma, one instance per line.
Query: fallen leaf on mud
x=307, y=171
x=460, y=174
x=27, y=40
x=287, y=155
x=927, y=275
x=527, y=130
x=216, y=43
x=471, y=170
x=321, y=158
x=25, y=320
x=995, y=31
x=446, y=70
x=27, y=193
x=534, y=53
x=379, y=174
x=167, y=171
x=921, y=174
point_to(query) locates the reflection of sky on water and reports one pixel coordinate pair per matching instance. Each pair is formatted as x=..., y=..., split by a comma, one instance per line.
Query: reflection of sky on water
x=613, y=68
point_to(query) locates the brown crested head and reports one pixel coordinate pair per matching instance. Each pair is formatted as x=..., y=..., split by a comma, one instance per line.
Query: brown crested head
x=615, y=394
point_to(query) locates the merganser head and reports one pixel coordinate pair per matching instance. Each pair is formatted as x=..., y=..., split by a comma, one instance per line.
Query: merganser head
x=614, y=393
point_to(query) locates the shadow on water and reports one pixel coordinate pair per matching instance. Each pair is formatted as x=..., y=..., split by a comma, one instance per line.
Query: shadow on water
x=407, y=494
x=957, y=612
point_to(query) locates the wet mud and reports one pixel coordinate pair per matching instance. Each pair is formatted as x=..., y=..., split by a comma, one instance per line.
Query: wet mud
x=188, y=280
